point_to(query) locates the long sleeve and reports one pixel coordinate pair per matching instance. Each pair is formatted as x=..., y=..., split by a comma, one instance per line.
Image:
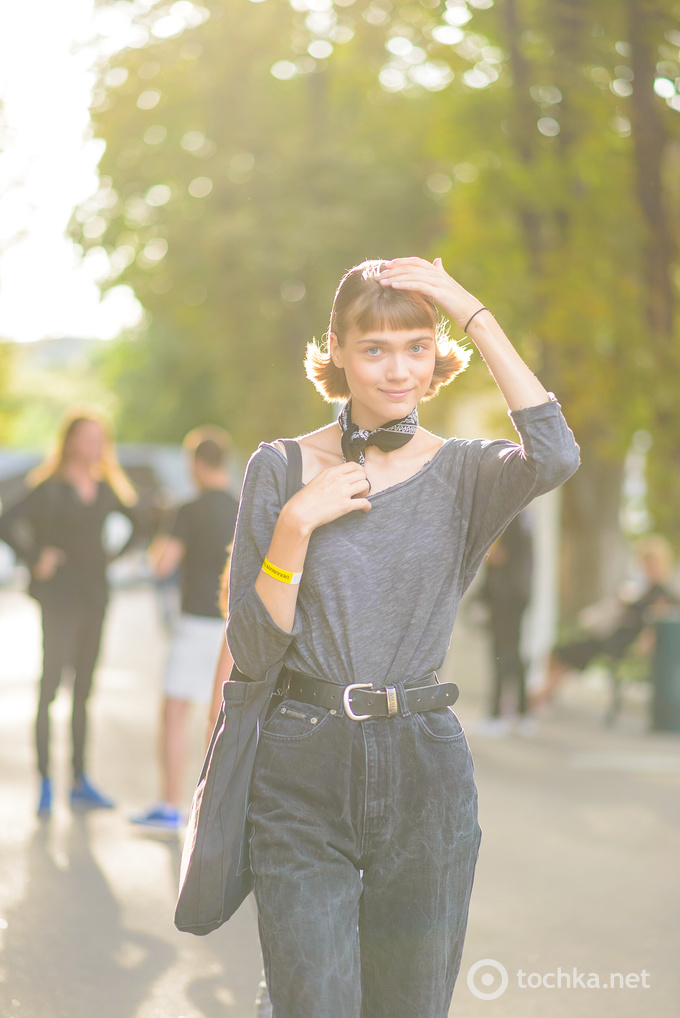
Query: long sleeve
x=509, y=475
x=21, y=523
x=256, y=642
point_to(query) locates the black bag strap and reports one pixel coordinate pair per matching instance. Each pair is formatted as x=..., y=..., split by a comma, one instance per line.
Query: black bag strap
x=294, y=468
x=293, y=484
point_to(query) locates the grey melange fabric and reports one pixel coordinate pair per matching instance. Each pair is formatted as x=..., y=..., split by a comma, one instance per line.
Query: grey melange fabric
x=380, y=589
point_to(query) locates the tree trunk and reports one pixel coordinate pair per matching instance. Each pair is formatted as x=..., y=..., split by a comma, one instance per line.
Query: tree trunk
x=594, y=558
x=646, y=20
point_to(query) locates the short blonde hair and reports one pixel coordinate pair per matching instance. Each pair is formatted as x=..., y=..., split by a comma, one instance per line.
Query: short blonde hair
x=362, y=302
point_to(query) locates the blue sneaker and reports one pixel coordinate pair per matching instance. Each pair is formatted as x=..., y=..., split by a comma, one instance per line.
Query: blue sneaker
x=159, y=817
x=85, y=796
x=45, y=804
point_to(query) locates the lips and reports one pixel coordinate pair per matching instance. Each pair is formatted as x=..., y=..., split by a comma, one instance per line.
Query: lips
x=396, y=392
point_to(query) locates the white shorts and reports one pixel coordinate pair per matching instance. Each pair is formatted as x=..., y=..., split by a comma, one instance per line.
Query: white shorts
x=194, y=649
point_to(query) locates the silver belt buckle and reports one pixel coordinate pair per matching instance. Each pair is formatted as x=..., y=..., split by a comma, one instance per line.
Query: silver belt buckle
x=392, y=701
x=346, y=704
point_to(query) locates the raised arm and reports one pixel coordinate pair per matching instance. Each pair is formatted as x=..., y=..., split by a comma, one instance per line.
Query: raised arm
x=518, y=384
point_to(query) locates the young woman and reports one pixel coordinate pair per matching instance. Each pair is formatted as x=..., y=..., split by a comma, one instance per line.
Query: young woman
x=363, y=804
x=57, y=530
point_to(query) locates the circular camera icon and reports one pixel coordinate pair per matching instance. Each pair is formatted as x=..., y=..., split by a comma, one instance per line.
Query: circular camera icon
x=485, y=984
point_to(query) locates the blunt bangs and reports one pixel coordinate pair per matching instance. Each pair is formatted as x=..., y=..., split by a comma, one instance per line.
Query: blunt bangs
x=362, y=302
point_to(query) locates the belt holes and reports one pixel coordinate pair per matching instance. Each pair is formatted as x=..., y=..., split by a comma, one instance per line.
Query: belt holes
x=313, y=721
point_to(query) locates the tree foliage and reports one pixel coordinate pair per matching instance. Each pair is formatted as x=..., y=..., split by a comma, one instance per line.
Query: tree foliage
x=7, y=401
x=239, y=200
x=532, y=143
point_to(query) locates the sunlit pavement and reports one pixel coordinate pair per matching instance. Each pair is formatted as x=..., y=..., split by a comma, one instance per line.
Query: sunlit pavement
x=578, y=866
x=88, y=900
x=577, y=870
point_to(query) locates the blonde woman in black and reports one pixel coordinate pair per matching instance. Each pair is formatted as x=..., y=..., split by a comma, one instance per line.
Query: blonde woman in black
x=57, y=530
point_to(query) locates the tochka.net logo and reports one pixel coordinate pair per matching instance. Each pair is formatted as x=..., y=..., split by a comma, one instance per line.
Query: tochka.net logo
x=488, y=979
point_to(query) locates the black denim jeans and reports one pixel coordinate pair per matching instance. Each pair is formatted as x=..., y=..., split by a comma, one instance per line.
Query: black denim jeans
x=364, y=844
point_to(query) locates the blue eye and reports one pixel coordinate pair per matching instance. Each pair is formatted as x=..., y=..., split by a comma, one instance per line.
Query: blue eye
x=417, y=347
x=371, y=349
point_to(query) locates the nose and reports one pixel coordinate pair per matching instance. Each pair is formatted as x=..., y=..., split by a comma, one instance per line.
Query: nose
x=397, y=369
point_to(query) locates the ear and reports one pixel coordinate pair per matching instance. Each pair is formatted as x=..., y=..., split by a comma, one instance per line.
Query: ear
x=335, y=350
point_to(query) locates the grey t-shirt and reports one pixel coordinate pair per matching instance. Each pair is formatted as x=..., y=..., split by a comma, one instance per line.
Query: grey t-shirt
x=380, y=590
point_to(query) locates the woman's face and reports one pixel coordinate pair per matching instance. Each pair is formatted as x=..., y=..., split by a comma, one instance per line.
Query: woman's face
x=388, y=371
x=86, y=443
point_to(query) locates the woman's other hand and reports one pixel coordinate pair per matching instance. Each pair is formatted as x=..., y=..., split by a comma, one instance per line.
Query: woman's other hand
x=47, y=564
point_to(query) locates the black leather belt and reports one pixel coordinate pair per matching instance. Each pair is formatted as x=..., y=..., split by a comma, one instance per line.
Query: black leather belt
x=360, y=701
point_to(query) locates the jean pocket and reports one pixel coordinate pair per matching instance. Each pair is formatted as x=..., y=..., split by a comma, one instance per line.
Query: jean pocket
x=442, y=725
x=294, y=720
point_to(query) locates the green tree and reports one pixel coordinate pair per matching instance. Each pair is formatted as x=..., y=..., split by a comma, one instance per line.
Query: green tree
x=531, y=144
x=564, y=216
x=7, y=403
x=237, y=200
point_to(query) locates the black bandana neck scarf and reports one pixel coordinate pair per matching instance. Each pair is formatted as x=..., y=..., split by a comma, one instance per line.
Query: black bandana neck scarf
x=388, y=436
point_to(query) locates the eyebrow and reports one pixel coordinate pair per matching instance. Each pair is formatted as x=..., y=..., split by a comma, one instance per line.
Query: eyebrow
x=380, y=341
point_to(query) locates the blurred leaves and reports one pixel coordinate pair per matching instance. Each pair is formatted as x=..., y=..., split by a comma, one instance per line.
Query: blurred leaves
x=8, y=405
x=253, y=158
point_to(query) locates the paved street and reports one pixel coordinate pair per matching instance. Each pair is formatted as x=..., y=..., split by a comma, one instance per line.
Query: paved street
x=578, y=866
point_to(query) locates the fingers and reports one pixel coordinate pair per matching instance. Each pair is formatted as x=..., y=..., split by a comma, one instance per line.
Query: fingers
x=400, y=262
x=351, y=472
x=413, y=274
x=357, y=503
x=426, y=272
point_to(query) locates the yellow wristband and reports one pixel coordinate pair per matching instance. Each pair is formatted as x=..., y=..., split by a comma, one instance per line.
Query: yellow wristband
x=280, y=574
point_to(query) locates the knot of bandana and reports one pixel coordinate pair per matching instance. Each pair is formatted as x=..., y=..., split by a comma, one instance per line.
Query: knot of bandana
x=388, y=436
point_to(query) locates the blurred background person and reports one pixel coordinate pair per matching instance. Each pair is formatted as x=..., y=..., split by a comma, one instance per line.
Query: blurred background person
x=196, y=545
x=505, y=591
x=57, y=529
x=611, y=628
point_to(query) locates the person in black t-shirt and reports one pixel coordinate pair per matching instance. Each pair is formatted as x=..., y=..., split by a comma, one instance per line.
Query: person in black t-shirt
x=57, y=530
x=197, y=545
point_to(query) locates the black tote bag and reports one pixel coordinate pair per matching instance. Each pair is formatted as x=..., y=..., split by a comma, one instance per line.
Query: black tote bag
x=215, y=875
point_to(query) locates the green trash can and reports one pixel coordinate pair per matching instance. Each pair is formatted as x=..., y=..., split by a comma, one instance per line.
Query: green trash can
x=666, y=675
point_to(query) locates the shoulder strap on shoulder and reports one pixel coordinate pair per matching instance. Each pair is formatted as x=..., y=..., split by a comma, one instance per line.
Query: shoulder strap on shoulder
x=294, y=470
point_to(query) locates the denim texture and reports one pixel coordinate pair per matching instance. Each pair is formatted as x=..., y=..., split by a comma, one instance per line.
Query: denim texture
x=363, y=849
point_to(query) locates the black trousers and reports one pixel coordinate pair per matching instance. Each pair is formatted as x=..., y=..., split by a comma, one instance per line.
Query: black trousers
x=71, y=636
x=506, y=626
